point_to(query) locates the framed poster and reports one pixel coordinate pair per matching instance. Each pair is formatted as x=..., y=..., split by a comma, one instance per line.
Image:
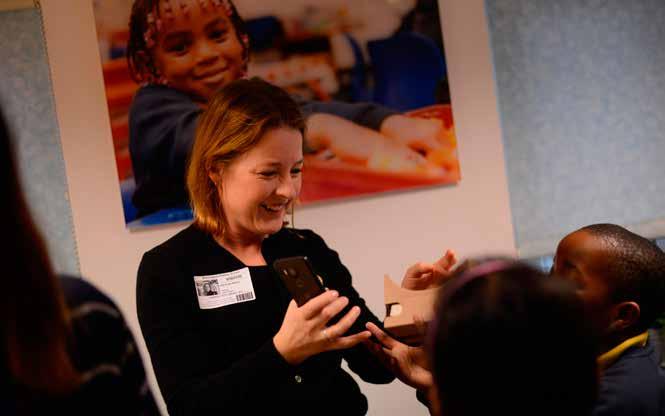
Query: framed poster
x=376, y=68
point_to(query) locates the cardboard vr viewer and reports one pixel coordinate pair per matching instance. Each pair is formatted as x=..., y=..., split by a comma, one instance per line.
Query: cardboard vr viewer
x=402, y=305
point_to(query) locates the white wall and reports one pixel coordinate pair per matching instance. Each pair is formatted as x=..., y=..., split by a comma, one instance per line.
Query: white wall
x=374, y=235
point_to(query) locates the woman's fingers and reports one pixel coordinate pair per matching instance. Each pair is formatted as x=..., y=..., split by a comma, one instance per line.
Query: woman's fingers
x=292, y=305
x=332, y=335
x=345, y=323
x=314, y=306
x=330, y=311
x=342, y=343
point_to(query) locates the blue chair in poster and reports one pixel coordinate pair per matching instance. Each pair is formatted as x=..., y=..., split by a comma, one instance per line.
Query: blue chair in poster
x=163, y=216
x=127, y=188
x=407, y=68
x=359, y=89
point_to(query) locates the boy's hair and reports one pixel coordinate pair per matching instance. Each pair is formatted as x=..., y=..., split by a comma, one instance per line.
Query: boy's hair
x=635, y=270
x=508, y=339
x=139, y=55
x=236, y=119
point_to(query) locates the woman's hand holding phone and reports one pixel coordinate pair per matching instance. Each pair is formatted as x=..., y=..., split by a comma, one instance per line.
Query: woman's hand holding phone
x=304, y=332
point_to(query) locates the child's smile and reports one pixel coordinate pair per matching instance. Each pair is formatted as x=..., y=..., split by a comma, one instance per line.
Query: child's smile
x=197, y=51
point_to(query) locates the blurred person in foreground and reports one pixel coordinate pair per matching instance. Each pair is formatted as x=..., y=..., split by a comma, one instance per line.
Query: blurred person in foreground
x=64, y=346
x=505, y=339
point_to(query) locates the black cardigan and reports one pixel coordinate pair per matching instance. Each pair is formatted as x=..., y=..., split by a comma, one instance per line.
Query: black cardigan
x=215, y=360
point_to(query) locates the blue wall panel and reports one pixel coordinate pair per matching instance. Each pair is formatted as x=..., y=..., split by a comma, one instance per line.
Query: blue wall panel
x=581, y=91
x=27, y=100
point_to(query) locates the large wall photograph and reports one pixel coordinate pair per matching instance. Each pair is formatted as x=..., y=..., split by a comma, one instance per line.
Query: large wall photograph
x=376, y=69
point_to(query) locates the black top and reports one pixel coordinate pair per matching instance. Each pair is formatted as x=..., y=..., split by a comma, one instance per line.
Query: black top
x=634, y=385
x=162, y=122
x=212, y=360
x=103, y=351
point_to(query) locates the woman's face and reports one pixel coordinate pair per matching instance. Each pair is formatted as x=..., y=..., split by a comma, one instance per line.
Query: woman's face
x=197, y=51
x=258, y=187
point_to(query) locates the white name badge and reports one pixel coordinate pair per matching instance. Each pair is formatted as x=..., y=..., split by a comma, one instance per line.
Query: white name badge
x=217, y=290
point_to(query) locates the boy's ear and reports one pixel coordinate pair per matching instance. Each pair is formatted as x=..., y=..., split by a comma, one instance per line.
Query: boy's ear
x=625, y=315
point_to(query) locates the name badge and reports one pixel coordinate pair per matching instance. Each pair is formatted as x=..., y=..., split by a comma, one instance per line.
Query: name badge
x=217, y=290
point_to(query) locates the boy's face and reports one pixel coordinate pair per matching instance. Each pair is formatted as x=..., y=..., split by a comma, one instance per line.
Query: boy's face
x=197, y=51
x=581, y=258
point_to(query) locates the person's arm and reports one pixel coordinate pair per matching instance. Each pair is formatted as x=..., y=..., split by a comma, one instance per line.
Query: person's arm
x=418, y=133
x=162, y=124
x=163, y=121
x=336, y=276
x=369, y=115
x=408, y=363
x=178, y=350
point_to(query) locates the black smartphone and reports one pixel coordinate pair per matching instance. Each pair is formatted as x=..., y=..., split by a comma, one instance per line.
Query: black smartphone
x=299, y=278
x=302, y=282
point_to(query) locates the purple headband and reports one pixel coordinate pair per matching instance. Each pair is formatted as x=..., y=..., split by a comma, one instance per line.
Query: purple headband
x=474, y=272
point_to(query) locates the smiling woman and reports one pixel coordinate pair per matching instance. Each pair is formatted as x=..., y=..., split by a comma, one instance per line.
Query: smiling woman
x=253, y=346
x=269, y=184
x=246, y=162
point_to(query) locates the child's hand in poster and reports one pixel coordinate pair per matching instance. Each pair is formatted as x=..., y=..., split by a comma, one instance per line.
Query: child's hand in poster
x=418, y=133
x=358, y=145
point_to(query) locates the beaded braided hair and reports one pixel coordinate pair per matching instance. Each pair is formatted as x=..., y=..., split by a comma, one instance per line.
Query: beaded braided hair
x=146, y=22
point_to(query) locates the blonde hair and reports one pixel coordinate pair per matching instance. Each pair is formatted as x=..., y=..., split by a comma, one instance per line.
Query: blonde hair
x=236, y=119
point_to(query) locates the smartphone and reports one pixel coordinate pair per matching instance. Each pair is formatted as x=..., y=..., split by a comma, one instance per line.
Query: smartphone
x=299, y=278
x=303, y=284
